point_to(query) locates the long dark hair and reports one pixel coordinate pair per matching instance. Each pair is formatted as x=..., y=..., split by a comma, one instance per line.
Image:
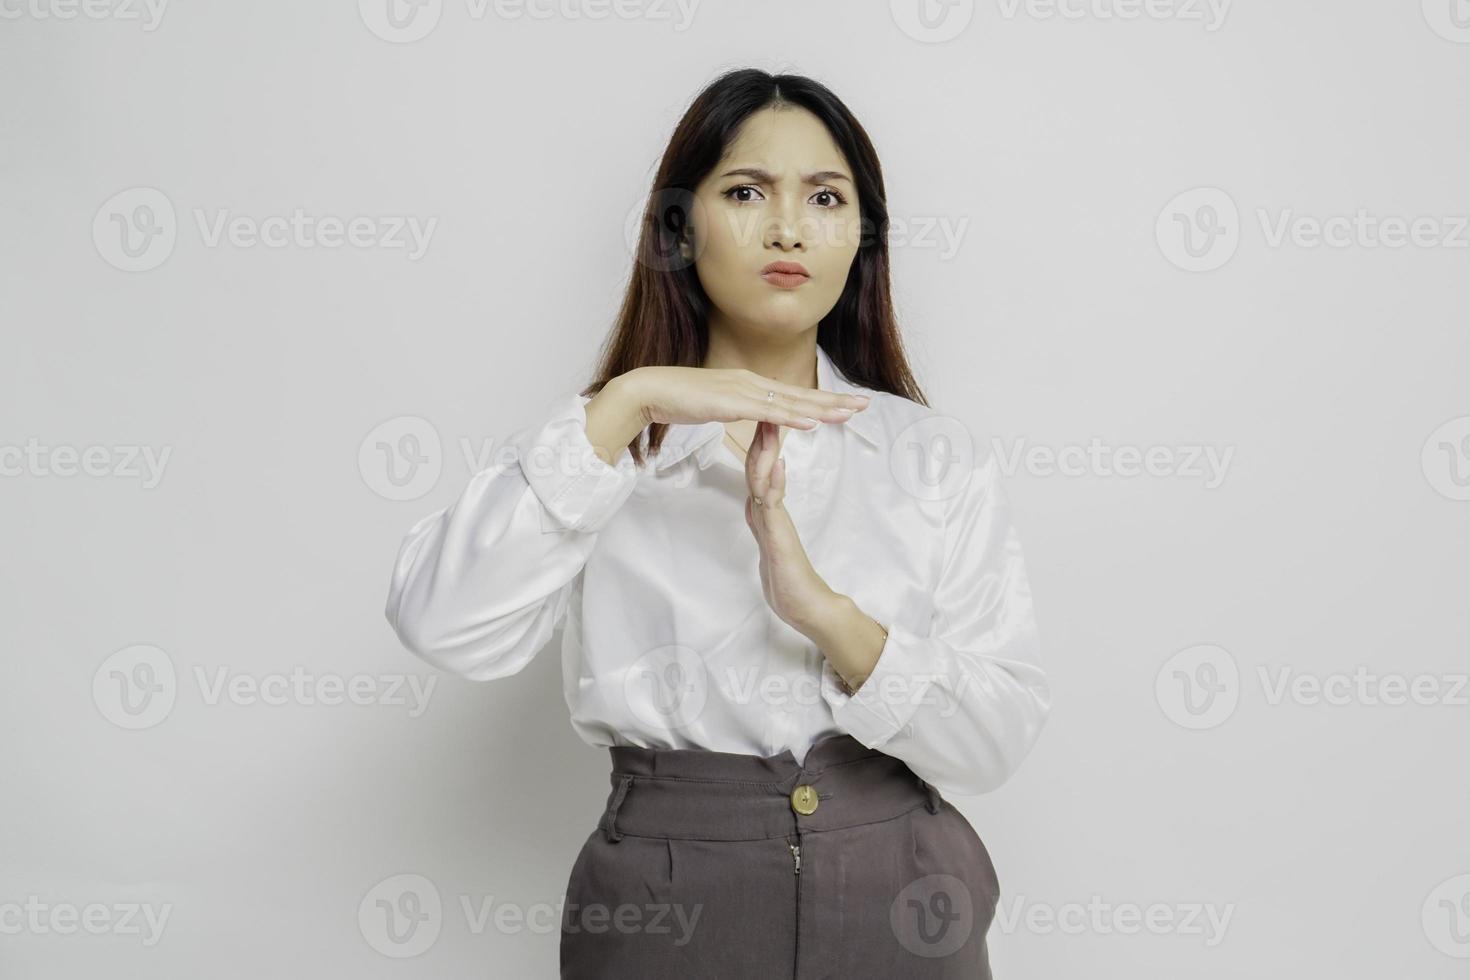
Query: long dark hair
x=663, y=320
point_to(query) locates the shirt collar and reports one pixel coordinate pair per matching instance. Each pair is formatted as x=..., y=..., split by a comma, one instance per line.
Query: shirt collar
x=681, y=439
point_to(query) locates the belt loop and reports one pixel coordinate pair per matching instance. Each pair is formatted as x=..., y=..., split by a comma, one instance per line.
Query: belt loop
x=612, y=808
x=932, y=804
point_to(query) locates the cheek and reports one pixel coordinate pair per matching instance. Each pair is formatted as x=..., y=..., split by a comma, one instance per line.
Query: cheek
x=834, y=259
x=726, y=232
x=726, y=244
x=719, y=263
x=842, y=236
x=717, y=251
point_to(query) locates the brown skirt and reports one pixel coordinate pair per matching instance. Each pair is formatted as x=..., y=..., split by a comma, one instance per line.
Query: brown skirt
x=722, y=865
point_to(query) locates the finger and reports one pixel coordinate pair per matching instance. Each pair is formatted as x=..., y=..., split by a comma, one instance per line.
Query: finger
x=800, y=398
x=777, y=411
x=751, y=451
x=754, y=481
x=760, y=461
x=769, y=460
x=827, y=405
x=800, y=408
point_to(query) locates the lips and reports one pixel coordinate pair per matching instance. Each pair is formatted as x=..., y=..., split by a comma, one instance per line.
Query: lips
x=787, y=275
x=786, y=268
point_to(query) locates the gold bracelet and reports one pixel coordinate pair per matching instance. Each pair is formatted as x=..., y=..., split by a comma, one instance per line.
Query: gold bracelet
x=881, y=627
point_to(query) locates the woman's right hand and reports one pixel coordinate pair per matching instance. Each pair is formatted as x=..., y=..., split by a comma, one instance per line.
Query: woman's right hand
x=698, y=395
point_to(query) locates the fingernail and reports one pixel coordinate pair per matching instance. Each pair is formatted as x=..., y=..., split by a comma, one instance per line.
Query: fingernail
x=846, y=411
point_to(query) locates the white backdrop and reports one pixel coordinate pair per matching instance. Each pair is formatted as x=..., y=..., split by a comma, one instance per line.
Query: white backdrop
x=1224, y=240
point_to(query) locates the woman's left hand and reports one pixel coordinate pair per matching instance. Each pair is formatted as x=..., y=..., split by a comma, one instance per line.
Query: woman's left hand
x=793, y=589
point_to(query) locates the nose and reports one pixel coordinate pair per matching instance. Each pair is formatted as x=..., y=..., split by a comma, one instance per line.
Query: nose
x=784, y=224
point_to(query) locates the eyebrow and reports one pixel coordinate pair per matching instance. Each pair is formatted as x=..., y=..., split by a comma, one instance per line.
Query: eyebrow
x=766, y=177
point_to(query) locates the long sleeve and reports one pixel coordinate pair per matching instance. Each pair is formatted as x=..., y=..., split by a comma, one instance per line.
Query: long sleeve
x=478, y=587
x=963, y=705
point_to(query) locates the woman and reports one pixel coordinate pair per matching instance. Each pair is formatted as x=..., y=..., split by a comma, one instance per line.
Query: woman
x=792, y=631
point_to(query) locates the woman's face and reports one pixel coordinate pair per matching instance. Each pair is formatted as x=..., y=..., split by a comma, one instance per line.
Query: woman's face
x=782, y=193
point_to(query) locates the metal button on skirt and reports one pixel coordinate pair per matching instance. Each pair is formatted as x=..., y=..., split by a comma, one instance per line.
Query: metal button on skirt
x=722, y=865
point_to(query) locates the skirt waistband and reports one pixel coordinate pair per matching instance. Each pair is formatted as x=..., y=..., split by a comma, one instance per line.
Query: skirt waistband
x=696, y=794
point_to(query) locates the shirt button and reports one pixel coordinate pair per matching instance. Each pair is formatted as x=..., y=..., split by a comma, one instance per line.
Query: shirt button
x=804, y=800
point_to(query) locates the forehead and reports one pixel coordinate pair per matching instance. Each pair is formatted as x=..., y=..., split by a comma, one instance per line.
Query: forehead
x=783, y=140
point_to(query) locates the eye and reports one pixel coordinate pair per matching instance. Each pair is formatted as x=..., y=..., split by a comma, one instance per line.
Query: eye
x=825, y=192
x=730, y=194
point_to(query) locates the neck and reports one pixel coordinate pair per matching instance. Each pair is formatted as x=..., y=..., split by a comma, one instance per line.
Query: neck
x=791, y=360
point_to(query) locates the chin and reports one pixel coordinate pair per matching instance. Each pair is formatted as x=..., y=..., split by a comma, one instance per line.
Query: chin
x=786, y=318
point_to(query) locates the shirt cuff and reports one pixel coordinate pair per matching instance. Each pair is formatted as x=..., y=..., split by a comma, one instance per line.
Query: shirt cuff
x=579, y=490
x=886, y=702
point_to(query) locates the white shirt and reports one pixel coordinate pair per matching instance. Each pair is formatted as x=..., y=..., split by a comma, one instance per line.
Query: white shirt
x=668, y=641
